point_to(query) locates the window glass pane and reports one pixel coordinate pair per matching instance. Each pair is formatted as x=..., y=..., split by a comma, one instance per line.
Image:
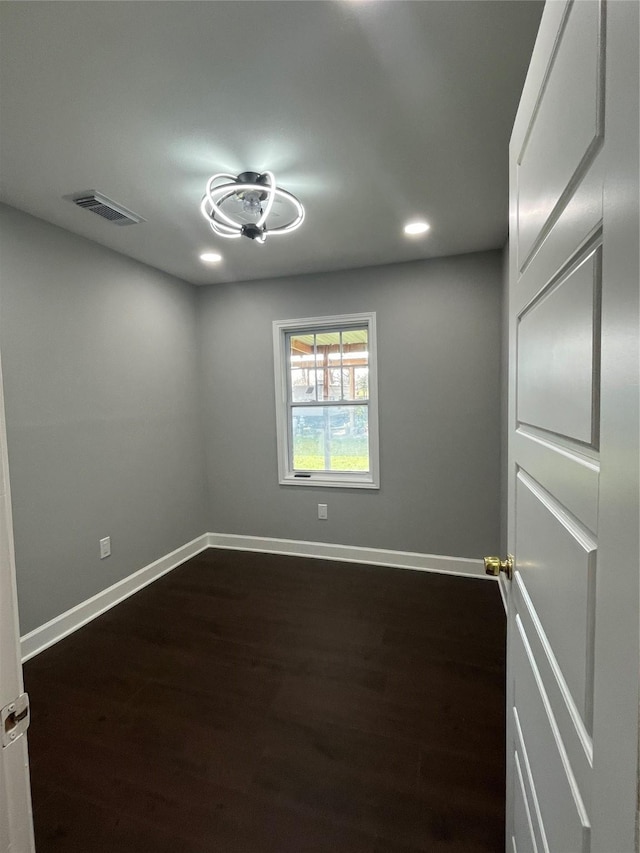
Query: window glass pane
x=302, y=361
x=355, y=361
x=341, y=360
x=302, y=344
x=328, y=359
x=355, y=383
x=330, y=438
x=361, y=383
x=355, y=345
x=334, y=388
x=302, y=385
x=330, y=340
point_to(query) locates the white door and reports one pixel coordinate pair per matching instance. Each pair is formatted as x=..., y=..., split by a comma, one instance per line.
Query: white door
x=16, y=832
x=573, y=638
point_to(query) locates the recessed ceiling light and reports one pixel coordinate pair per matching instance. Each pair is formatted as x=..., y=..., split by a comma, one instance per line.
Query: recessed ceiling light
x=416, y=227
x=210, y=257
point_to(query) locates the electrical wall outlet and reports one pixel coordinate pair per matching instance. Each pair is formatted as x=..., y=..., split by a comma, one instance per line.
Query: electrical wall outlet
x=322, y=512
x=105, y=547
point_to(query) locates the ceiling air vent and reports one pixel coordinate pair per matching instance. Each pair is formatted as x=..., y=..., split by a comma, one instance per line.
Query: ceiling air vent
x=104, y=207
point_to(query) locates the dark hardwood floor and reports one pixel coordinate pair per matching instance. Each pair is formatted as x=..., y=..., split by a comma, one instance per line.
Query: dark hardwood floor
x=251, y=703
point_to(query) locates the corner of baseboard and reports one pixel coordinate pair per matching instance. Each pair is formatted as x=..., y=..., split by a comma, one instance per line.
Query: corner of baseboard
x=66, y=623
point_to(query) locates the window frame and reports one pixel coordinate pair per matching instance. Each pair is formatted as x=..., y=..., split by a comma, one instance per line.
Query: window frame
x=282, y=329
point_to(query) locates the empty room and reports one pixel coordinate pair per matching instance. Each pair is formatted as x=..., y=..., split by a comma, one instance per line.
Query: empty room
x=320, y=367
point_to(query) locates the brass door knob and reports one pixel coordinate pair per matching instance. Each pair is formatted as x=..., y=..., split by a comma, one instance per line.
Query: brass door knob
x=494, y=565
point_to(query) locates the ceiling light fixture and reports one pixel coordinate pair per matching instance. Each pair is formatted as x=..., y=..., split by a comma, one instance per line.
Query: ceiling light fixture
x=210, y=257
x=240, y=206
x=416, y=228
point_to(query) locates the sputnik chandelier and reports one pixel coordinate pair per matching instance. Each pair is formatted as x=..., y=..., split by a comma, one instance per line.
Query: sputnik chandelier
x=240, y=206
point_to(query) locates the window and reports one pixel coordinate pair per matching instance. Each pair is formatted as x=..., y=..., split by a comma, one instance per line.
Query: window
x=326, y=401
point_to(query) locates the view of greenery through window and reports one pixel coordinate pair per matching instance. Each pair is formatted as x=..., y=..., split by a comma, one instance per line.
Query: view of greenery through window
x=329, y=388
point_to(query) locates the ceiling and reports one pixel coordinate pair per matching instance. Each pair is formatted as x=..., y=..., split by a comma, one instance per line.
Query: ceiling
x=371, y=112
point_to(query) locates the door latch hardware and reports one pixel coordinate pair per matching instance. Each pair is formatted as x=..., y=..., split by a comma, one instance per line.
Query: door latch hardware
x=494, y=565
x=14, y=719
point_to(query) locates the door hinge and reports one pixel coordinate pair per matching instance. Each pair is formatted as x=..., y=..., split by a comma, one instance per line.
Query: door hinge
x=14, y=719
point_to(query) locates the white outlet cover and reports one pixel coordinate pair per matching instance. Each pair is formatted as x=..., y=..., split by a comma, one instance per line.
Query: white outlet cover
x=105, y=547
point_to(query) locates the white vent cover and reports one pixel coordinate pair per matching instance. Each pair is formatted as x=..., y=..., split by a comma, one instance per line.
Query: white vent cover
x=104, y=207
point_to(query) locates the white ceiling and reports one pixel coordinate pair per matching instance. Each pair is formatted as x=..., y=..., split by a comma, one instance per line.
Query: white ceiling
x=370, y=112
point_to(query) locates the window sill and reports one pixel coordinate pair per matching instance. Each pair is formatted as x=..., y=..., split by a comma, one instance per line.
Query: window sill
x=349, y=481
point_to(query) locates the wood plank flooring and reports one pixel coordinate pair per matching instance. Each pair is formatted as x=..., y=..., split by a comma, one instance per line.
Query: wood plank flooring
x=251, y=703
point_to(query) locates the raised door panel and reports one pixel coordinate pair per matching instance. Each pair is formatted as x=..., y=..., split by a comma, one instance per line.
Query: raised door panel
x=569, y=473
x=563, y=817
x=557, y=351
x=523, y=821
x=556, y=562
x=565, y=126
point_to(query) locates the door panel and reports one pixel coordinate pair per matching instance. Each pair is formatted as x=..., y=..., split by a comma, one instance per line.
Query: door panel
x=573, y=437
x=576, y=740
x=566, y=123
x=522, y=813
x=562, y=600
x=569, y=473
x=523, y=781
x=562, y=809
x=576, y=223
x=558, y=343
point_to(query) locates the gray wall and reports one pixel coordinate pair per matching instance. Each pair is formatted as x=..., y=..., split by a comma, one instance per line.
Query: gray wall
x=105, y=364
x=439, y=331
x=103, y=420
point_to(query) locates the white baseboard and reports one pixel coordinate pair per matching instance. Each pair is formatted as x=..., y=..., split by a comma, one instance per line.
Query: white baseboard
x=49, y=633
x=352, y=554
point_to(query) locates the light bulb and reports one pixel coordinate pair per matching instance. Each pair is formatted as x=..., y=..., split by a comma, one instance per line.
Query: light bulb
x=251, y=204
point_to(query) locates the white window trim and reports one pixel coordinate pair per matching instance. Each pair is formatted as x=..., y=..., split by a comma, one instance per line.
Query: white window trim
x=336, y=479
